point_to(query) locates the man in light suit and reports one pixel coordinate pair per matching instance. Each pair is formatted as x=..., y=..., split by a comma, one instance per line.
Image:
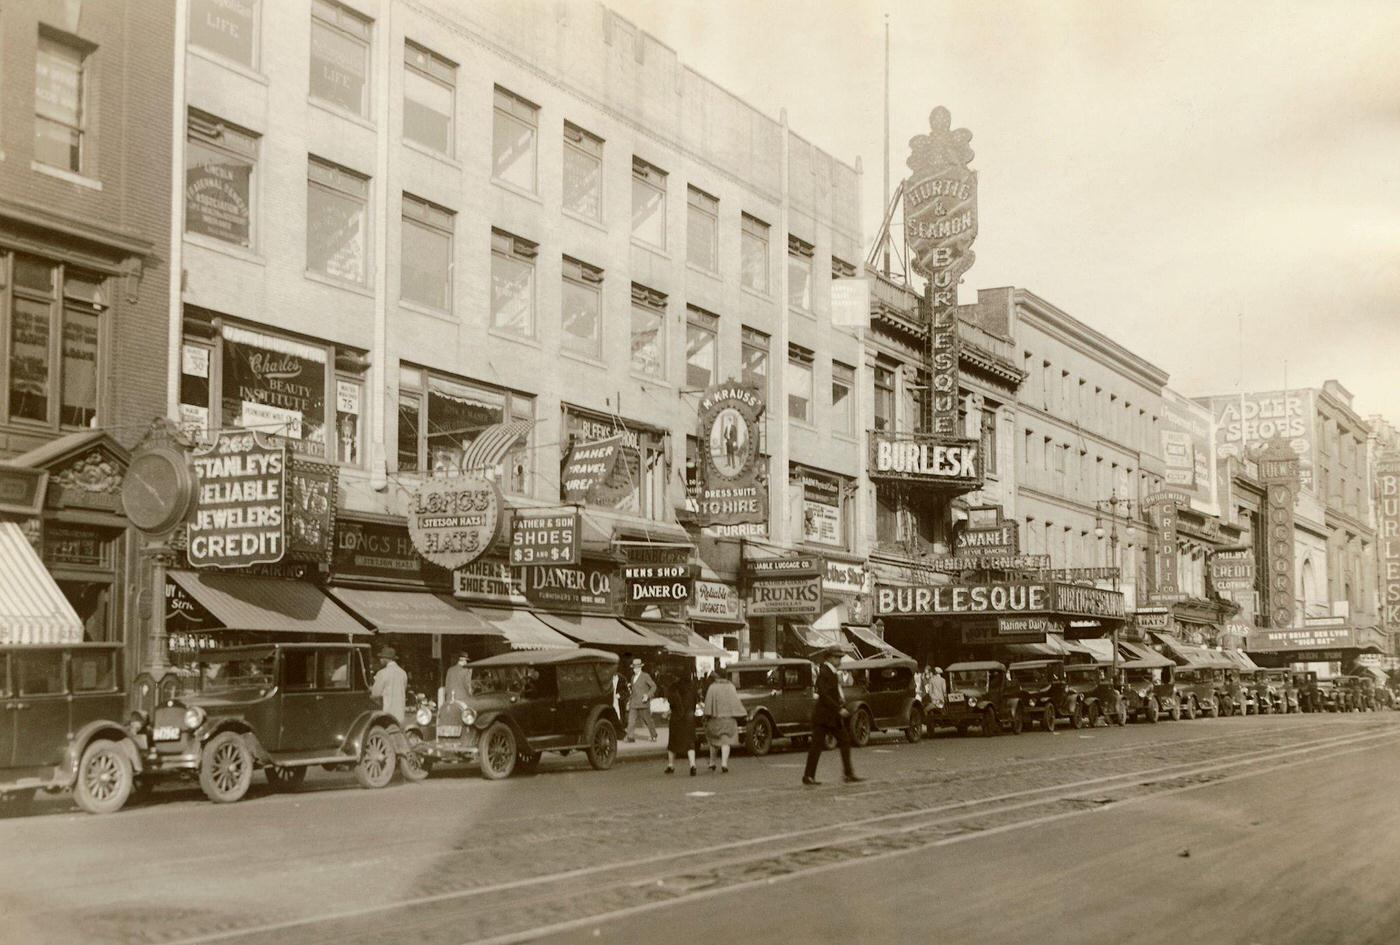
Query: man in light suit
x=391, y=684
x=829, y=714
x=640, y=691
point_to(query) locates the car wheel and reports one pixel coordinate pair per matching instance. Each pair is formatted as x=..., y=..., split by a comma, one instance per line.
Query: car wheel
x=990, y=725
x=413, y=766
x=284, y=779
x=602, y=747
x=1094, y=713
x=915, y=731
x=498, y=752
x=226, y=768
x=1018, y=721
x=377, y=759
x=1190, y=712
x=1120, y=717
x=758, y=736
x=860, y=729
x=1153, y=712
x=104, y=779
x=1079, y=717
x=1047, y=719
x=1175, y=712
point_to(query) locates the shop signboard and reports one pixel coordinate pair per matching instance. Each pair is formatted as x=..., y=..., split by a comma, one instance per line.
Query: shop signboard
x=586, y=588
x=490, y=580
x=76, y=546
x=821, y=509
x=1188, y=448
x=924, y=459
x=240, y=504
x=1014, y=625
x=276, y=386
x=1278, y=469
x=1154, y=620
x=589, y=466
x=184, y=614
x=994, y=598
x=789, y=596
x=952, y=564
x=22, y=490
x=1232, y=570
x=732, y=491
x=845, y=577
x=544, y=536
x=1082, y=574
x=454, y=519
x=1247, y=422
x=984, y=634
x=383, y=552
x=715, y=602
x=1166, y=503
x=1388, y=534
x=1079, y=600
x=1286, y=639
x=312, y=498
x=759, y=569
x=1001, y=539
x=658, y=583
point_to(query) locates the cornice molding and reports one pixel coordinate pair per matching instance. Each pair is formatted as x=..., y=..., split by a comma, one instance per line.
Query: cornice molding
x=1077, y=334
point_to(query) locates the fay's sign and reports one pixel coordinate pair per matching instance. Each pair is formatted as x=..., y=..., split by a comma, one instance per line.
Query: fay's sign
x=921, y=458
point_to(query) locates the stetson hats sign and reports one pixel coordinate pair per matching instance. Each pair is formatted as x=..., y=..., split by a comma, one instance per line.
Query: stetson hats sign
x=453, y=519
x=731, y=492
x=240, y=504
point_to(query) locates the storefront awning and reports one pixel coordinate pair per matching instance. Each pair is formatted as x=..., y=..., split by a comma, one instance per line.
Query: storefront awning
x=1241, y=660
x=868, y=643
x=412, y=612
x=266, y=605
x=1190, y=655
x=1143, y=657
x=1055, y=646
x=679, y=639
x=1381, y=676
x=521, y=629
x=32, y=608
x=595, y=630
x=1102, y=649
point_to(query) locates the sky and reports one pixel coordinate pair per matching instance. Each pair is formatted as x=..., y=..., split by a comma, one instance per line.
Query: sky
x=1215, y=185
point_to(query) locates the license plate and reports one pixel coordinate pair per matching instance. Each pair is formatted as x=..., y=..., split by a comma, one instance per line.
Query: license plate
x=449, y=731
x=166, y=733
x=955, y=697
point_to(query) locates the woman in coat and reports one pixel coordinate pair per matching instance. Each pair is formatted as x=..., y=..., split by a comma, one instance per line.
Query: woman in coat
x=722, y=713
x=680, y=736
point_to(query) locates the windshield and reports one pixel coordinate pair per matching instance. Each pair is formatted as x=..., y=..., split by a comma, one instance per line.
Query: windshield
x=236, y=672
x=968, y=679
x=1141, y=676
x=1032, y=676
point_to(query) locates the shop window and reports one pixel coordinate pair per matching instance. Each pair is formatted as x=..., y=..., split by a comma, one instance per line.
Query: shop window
x=799, y=274
x=637, y=482
x=843, y=414
x=51, y=315
x=39, y=673
x=701, y=348
x=648, y=331
x=60, y=66
x=883, y=383
x=337, y=222
x=581, y=308
x=425, y=258
x=515, y=141
x=340, y=57
x=349, y=419
x=799, y=384
x=219, y=180
x=226, y=28
x=754, y=346
x=513, y=284
x=429, y=98
x=93, y=671
x=753, y=254
x=583, y=172
x=702, y=230
x=92, y=602
x=648, y=204
x=989, y=441
x=440, y=417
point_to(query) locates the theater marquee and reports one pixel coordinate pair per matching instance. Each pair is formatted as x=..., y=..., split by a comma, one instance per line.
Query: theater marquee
x=924, y=458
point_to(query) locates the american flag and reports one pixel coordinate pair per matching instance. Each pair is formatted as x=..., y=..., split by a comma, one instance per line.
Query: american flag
x=493, y=443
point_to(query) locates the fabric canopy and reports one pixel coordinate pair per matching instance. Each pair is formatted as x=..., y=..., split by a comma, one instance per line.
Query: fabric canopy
x=412, y=612
x=1241, y=660
x=867, y=639
x=522, y=630
x=1142, y=657
x=1102, y=649
x=679, y=639
x=269, y=605
x=1193, y=656
x=592, y=630
x=32, y=608
x=1380, y=674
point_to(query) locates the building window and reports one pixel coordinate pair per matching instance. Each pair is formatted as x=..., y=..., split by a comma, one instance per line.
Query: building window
x=219, y=162
x=429, y=98
x=884, y=399
x=513, y=284
x=648, y=331
x=701, y=348
x=59, y=102
x=226, y=28
x=799, y=274
x=441, y=416
x=637, y=484
x=581, y=308
x=52, y=320
x=989, y=441
x=425, y=258
x=754, y=353
x=702, y=230
x=583, y=172
x=340, y=57
x=648, y=203
x=754, y=254
x=799, y=383
x=823, y=499
x=515, y=142
x=843, y=413
x=337, y=222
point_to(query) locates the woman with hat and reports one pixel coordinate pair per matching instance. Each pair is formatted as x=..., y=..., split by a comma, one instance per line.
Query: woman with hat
x=722, y=713
x=680, y=733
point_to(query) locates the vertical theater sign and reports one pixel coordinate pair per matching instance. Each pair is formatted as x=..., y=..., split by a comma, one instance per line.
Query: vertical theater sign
x=1388, y=527
x=1278, y=470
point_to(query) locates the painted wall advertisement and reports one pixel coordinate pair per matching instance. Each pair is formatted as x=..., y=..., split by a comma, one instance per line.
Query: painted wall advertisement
x=1188, y=446
x=1251, y=421
x=732, y=491
x=240, y=505
x=1388, y=534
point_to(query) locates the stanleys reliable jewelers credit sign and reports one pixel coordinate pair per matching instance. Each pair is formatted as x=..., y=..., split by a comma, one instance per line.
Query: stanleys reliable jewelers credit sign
x=240, y=507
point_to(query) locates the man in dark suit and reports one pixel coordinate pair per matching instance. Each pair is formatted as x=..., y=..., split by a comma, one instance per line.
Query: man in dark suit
x=829, y=715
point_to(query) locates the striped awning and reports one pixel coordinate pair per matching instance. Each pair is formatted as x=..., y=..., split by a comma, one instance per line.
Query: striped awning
x=32, y=608
x=591, y=630
x=412, y=612
x=267, y=605
x=522, y=630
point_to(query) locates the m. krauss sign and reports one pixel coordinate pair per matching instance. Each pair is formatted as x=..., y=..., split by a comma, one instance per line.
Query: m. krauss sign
x=240, y=506
x=731, y=492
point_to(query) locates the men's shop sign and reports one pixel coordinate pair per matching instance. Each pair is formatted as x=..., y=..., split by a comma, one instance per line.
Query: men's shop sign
x=658, y=583
x=994, y=598
x=925, y=459
x=239, y=515
x=453, y=520
x=731, y=489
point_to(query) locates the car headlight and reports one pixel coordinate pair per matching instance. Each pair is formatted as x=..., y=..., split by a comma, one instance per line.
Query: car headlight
x=468, y=716
x=971, y=702
x=424, y=715
x=137, y=722
x=194, y=718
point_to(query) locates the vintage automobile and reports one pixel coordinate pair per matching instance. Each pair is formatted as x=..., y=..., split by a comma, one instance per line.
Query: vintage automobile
x=1274, y=691
x=519, y=706
x=62, y=726
x=777, y=695
x=1332, y=695
x=282, y=707
x=1305, y=682
x=1361, y=693
x=1095, y=686
x=1229, y=691
x=979, y=694
x=883, y=695
x=1196, y=690
x=1043, y=689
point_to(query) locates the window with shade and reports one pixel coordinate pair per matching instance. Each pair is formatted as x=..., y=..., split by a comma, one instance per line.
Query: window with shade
x=440, y=417
x=702, y=230
x=583, y=173
x=648, y=331
x=429, y=98
x=648, y=204
x=515, y=140
x=60, y=100
x=799, y=383
x=753, y=254
x=220, y=162
x=753, y=351
x=701, y=348
x=425, y=256
x=884, y=398
x=843, y=384
x=799, y=274
x=337, y=222
x=581, y=309
x=226, y=28
x=52, y=318
x=340, y=57
x=513, y=284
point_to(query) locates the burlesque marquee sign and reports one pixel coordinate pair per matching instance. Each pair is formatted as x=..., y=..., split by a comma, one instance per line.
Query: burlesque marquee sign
x=940, y=223
x=1388, y=529
x=731, y=489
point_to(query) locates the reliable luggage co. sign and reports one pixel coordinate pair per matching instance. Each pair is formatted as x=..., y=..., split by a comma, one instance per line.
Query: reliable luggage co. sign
x=240, y=504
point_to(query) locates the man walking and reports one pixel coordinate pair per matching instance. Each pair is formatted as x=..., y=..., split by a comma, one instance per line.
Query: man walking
x=937, y=688
x=639, y=693
x=391, y=684
x=829, y=715
x=454, y=684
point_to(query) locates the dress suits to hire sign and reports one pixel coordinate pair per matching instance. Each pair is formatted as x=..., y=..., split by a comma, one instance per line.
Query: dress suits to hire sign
x=731, y=488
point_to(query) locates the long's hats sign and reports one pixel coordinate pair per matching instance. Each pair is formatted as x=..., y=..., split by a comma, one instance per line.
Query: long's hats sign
x=453, y=520
x=240, y=507
x=731, y=490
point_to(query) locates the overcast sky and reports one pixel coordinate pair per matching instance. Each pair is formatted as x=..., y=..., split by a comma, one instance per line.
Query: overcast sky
x=1157, y=170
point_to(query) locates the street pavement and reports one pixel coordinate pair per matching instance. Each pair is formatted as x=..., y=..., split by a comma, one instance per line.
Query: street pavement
x=1274, y=829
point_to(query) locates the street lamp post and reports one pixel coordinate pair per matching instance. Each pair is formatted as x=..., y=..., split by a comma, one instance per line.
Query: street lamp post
x=1113, y=509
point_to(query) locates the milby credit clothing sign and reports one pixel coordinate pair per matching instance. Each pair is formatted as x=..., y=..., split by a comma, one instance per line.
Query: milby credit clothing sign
x=1232, y=570
x=731, y=492
x=453, y=520
x=920, y=458
x=240, y=506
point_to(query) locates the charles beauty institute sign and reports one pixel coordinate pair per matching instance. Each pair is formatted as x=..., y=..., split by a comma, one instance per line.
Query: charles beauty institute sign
x=240, y=506
x=732, y=491
x=453, y=520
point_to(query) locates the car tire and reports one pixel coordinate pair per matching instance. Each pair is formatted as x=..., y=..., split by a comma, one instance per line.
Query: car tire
x=991, y=727
x=1190, y=712
x=1153, y=712
x=1120, y=717
x=1175, y=711
x=498, y=752
x=105, y=778
x=860, y=729
x=1094, y=713
x=1047, y=719
x=602, y=745
x=1079, y=717
x=375, y=769
x=1018, y=721
x=225, y=768
x=284, y=779
x=758, y=736
x=413, y=766
x=915, y=731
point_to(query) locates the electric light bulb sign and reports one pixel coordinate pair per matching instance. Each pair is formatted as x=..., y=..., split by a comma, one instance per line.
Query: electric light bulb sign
x=240, y=505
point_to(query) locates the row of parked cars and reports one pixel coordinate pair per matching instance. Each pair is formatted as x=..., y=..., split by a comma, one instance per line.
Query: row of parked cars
x=283, y=708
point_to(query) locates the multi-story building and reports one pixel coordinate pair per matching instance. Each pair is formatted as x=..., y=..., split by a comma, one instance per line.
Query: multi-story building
x=407, y=222
x=85, y=276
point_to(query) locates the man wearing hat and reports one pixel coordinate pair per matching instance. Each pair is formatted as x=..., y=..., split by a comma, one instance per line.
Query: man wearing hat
x=639, y=692
x=454, y=684
x=829, y=714
x=391, y=683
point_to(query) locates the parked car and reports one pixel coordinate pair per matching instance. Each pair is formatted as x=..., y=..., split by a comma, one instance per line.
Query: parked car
x=1195, y=689
x=778, y=696
x=1332, y=695
x=1361, y=692
x=979, y=694
x=62, y=726
x=1309, y=691
x=883, y=695
x=1094, y=684
x=519, y=706
x=281, y=707
x=1045, y=694
x=1276, y=692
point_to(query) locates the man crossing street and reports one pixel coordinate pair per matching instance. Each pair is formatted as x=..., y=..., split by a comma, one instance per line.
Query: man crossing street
x=829, y=716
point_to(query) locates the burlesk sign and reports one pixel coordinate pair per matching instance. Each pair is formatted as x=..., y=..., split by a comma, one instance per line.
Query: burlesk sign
x=731, y=490
x=453, y=519
x=923, y=458
x=240, y=505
